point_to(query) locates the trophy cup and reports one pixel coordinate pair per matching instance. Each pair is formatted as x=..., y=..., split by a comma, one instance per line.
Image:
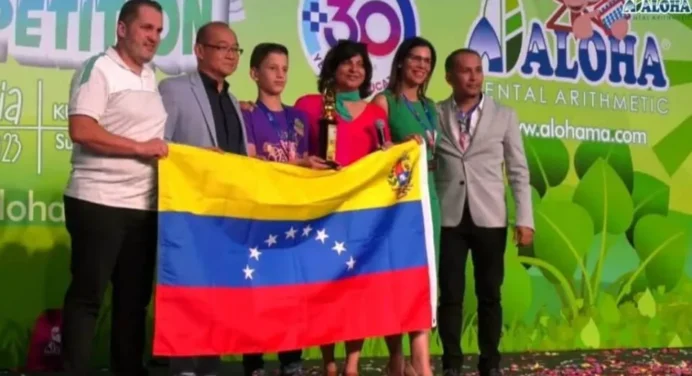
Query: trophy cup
x=327, y=127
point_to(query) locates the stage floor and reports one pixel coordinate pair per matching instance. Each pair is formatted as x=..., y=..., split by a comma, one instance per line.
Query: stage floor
x=614, y=362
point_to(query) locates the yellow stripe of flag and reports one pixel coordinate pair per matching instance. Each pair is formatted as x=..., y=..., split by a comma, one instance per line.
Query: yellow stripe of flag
x=209, y=183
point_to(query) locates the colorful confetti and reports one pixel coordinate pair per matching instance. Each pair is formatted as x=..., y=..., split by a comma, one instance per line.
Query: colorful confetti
x=663, y=362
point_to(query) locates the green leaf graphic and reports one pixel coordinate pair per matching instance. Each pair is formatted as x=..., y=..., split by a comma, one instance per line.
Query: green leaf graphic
x=618, y=156
x=604, y=196
x=676, y=342
x=678, y=72
x=661, y=244
x=685, y=19
x=564, y=234
x=19, y=266
x=517, y=289
x=548, y=161
x=562, y=193
x=673, y=149
x=608, y=309
x=590, y=335
x=511, y=205
x=647, y=304
x=650, y=196
x=628, y=288
x=511, y=214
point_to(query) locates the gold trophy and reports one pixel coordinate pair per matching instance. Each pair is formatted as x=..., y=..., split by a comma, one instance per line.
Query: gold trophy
x=327, y=123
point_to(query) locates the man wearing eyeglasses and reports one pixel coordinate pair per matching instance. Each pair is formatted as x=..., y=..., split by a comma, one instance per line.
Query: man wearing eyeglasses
x=202, y=112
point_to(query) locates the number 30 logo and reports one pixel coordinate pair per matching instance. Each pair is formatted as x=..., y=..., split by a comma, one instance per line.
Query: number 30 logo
x=381, y=24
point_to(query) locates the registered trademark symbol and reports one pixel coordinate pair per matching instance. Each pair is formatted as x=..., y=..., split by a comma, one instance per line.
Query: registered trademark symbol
x=665, y=44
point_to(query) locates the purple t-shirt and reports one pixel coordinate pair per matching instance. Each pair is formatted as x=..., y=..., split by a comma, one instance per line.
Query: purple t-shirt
x=278, y=141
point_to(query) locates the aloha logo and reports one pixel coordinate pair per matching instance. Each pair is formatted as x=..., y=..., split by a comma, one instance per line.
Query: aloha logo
x=381, y=24
x=657, y=7
x=606, y=50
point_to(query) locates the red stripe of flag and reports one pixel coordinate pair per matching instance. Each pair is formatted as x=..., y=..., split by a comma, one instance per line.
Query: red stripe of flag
x=208, y=321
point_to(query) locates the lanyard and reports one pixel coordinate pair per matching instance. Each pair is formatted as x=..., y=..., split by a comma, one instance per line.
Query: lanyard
x=464, y=118
x=289, y=133
x=430, y=131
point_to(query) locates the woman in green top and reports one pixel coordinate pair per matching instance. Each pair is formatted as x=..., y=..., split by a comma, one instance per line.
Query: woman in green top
x=412, y=114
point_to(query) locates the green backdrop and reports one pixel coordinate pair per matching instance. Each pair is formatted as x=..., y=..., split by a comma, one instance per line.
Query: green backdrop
x=608, y=151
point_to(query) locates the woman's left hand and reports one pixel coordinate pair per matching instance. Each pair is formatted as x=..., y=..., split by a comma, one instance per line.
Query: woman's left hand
x=387, y=145
x=416, y=137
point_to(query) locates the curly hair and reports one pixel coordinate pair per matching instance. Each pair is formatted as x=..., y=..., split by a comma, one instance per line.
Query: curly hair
x=341, y=52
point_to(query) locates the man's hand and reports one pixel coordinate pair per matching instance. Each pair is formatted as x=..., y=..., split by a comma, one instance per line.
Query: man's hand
x=313, y=162
x=247, y=105
x=154, y=148
x=523, y=236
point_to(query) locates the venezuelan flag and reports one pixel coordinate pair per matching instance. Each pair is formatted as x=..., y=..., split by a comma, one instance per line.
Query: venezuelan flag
x=262, y=257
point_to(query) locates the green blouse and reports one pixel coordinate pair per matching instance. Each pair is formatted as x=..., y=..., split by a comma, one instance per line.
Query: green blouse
x=412, y=118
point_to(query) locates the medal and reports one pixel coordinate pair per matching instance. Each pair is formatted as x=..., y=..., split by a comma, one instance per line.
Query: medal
x=299, y=127
x=285, y=137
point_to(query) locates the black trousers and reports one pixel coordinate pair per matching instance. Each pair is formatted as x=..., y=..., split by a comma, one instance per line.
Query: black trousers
x=199, y=365
x=108, y=245
x=487, y=247
x=253, y=362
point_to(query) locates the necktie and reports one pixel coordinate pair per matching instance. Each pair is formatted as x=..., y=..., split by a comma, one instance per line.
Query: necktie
x=464, y=136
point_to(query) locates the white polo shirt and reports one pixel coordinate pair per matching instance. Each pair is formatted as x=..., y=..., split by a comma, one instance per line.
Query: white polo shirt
x=126, y=104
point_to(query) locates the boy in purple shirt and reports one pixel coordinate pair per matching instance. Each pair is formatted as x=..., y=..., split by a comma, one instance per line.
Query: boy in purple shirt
x=275, y=132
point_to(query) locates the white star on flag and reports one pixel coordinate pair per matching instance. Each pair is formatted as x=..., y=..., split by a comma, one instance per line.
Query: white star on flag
x=339, y=248
x=271, y=240
x=351, y=263
x=255, y=253
x=248, y=272
x=322, y=235
x=306, y=230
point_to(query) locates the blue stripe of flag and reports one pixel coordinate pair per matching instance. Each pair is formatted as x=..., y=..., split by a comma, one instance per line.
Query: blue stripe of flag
x=206, y=251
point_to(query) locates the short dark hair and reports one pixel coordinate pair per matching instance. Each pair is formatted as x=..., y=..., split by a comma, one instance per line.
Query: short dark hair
x=397, y=62
x=449, y=62
x=343, y=51
x=130, y=10
x=262, y=50
x=205, y=30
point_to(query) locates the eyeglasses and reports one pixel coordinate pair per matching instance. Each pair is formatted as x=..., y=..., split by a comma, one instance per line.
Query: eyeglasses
x=420, y=59
x=232, y=49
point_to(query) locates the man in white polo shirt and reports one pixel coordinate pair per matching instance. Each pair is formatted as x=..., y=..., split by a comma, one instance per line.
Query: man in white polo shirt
x=116, y=121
